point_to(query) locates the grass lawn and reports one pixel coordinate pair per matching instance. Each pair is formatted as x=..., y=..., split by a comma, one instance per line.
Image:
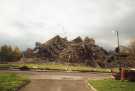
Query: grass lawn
x=11, y=81
x=58, y=67
x=112, y=85
x=64, y=67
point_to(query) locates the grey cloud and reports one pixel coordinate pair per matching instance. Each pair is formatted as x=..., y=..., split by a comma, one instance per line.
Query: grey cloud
x=33, y=20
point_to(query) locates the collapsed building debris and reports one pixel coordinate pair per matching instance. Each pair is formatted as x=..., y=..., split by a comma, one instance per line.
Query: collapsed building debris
x=75, y=51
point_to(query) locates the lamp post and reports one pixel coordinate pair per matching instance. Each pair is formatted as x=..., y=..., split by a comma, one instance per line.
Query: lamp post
x=118, y=47
x=118, y=41
x=121, y=69
x=117, y=50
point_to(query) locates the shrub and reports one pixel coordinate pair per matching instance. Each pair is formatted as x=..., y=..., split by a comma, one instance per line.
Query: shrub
x=24, y=68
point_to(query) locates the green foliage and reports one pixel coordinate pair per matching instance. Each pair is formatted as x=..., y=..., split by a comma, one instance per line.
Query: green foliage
x=59, y=67
x=112, y=85
x=11, y=81
x=7, y=54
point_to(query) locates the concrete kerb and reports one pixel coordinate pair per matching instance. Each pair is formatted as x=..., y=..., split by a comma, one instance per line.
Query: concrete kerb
x=91, y=87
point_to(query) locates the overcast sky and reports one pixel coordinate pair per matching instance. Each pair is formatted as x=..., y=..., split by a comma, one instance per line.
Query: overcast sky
x=23, y=22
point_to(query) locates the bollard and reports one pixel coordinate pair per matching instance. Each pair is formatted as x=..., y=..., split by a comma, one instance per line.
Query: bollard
x=122, y=73
x=112, y=71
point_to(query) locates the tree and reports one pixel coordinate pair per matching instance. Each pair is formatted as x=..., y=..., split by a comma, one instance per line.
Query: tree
x=29, y=53
x=128, y=53
x=132, y=49
x=8, y=54
x=5, y=53
x=17, y=54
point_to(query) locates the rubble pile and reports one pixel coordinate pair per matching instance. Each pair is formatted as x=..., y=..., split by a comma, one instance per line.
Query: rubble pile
x=75, y=51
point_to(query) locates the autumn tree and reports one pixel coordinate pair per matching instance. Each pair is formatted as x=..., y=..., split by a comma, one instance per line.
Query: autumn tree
x=17, y=54
x=8, y=54
x=132, y=49
x=4, y=53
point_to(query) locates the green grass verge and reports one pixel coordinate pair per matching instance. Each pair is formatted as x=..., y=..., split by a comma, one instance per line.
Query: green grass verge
x=11, y=81
x=112, y=85
x=58, y=67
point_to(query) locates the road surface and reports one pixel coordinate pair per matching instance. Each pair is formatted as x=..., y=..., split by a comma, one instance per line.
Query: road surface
x=60, y=81
x=56, y=85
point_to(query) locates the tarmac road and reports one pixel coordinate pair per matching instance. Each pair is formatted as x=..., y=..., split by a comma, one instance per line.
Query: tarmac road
x=60, y=81
x=56, y=85
x=66, y=75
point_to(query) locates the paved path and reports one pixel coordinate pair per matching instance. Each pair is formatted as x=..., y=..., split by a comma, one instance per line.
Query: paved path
x=60, y=81
x=59, y=75
x=56, y=85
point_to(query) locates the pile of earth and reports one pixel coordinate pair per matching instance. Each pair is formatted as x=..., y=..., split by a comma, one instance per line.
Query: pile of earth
x=79, y=50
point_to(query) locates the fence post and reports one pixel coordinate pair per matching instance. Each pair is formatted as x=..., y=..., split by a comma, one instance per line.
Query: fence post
x=122, y=73
x=112, y=71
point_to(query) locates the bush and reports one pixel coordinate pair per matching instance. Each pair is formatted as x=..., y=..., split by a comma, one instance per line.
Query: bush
x=129, y=75
x=24, y=68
